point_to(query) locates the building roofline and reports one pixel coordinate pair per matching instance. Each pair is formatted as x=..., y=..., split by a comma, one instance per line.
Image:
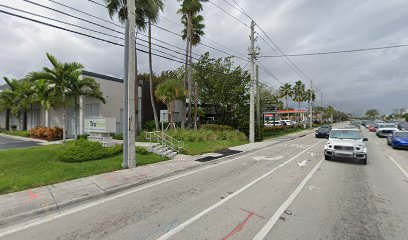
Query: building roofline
x=102, y=76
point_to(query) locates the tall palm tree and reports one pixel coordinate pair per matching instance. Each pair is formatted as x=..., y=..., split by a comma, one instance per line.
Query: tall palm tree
x=299, y=94
x=198, y=32
x=188, y=9
x=147, y=13
x=286, y=91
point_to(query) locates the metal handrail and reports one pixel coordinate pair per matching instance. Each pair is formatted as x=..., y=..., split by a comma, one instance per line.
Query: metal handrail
x=166, y=140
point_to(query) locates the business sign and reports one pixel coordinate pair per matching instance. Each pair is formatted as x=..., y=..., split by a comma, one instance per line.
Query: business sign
x=104, y=125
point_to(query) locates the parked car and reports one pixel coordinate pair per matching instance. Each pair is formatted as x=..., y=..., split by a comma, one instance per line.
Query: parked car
x=398, y=139
x=346, y=144
x=386, y=129
x=326, y=126
x=322, y=132
x=275, y=123
x=403, y=126
x=287, y=122
x=372, y=128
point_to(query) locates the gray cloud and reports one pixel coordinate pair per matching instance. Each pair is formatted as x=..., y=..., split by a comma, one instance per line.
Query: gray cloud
x=351, y=82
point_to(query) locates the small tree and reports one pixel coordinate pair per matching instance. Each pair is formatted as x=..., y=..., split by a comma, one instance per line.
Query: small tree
x=372, y=113
x=168, y=92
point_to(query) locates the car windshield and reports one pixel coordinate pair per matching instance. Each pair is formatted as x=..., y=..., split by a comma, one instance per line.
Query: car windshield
x=387, y=126
x=345, y=134
x=323, y=129
x=401, y=134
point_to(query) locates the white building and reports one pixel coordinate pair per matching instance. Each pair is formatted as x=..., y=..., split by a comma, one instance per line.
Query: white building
x=112, y=89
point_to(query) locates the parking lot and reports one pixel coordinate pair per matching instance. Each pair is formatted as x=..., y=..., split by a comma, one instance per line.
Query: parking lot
x=10, y=143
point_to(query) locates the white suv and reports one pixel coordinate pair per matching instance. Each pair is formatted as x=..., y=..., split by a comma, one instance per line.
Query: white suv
x=346, y=144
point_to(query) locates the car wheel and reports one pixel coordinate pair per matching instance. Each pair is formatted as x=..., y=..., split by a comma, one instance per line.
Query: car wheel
x=388, y=142
x=364, y=161
x=327, y=157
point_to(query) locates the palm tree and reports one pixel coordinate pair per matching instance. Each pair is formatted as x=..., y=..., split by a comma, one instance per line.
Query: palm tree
x=299, y=94
x=86, y=87
x=189, y=8
x=286, y=91
x=198, y=32
x=145, y=9
x=168, y=92
x=65, y=85
x=44, y=97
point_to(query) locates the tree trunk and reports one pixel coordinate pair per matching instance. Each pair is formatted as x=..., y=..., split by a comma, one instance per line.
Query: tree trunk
x=64, y=114
x=46, y=122
x=287, y=105
x=156, y=120
x=190, y=84
x=183, y=109
x=76, y=119
x=195, y=104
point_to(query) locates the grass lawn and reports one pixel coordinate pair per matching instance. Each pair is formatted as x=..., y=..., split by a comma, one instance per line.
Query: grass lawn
x=195, y=148
x=37, y=166
x=16, y=133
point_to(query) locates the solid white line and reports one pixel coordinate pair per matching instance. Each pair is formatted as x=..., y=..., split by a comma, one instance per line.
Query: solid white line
x=206, y=211
x=36, y=222
x=268, y=226
x=399, y=166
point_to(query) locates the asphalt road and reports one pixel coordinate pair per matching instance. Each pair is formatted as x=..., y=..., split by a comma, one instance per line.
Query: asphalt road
x=9, y=143
x=286, y=191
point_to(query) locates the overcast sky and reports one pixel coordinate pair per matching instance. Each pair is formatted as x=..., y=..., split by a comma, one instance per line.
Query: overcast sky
x=350, y=82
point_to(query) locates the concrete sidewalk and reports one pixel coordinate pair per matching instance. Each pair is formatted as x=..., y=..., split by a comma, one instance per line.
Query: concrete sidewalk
x=28, y=203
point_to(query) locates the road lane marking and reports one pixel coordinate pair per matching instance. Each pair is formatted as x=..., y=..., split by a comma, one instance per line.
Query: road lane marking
x=259, y=158
x=206, y=211
x=399, y=166
x=268, y=226
x=63, y=213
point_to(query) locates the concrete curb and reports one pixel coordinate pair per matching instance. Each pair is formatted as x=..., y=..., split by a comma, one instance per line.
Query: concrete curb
x=23, y=138
x=109, y=191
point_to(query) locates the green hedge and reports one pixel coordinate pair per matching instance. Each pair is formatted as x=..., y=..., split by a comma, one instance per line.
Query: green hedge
x=203, y=135
x=84, y=150
x=216, y=127
x=280, y=130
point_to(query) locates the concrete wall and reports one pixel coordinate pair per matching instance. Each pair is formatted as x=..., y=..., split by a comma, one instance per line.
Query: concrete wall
x=3, y=120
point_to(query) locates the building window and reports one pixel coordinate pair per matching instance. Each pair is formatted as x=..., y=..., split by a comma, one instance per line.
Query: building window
x=92, y=110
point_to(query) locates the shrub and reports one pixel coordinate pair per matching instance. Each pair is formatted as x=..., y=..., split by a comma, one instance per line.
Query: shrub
x=117, y=136
x=83, y=136
x=203, y=135
x=84, y=150
x=216, y=127
x=141, y=151
x=49, y=134
x=149, y=126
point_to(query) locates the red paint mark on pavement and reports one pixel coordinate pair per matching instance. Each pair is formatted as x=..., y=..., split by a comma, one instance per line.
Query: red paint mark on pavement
x=32, y=195
x=241, y=225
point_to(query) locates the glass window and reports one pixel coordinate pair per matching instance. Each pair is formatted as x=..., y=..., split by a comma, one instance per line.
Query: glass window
x=92, y=110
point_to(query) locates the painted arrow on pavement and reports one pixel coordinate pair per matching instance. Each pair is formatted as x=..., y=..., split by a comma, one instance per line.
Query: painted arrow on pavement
x=258, y=158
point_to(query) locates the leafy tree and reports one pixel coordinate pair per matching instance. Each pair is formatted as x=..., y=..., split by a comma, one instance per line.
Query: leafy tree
x=168, y=92
x=329, y=112
x=372, y=113
x=224, y=90
x=405, y=116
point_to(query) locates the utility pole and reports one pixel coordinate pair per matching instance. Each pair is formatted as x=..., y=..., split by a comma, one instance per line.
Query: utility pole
x=252, y=83
x=131, y=41
x=125, y=123
x=310, y=105
x=258, y=102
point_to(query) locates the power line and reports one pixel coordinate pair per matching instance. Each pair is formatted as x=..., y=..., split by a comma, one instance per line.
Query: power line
x=179, y=35
x=93, y=37
x=97, y=3
x=246, y=25
x=88, y=14
x=95, y=31
x=338, y=52
x=84, y=34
